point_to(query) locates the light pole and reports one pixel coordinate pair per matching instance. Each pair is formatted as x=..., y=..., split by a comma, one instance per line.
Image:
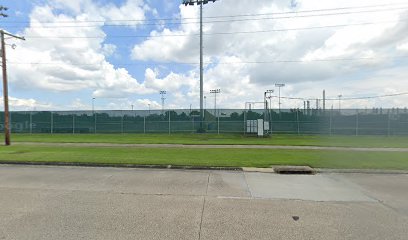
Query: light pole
x=340, y=96
x=279, y=85
x=267, y=110
x=5, y=84
x=201, y=3
x=149, y=108
x=163, y=93
x=215, y=91
x=270, y=91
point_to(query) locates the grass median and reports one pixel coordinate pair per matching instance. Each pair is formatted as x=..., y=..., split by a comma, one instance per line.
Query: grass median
x=207, y=157
x=222, y=139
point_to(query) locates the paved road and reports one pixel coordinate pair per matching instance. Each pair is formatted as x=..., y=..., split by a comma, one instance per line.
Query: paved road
x=364, y=149
x=40, y=202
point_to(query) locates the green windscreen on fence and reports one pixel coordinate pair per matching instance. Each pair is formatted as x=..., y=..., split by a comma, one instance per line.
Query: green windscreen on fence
x=287, y=121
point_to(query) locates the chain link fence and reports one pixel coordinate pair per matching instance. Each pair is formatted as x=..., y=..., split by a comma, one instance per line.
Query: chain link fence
x=288, y=121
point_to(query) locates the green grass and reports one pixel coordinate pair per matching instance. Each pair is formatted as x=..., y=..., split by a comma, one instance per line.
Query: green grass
x=303, y=140
x=207, y=157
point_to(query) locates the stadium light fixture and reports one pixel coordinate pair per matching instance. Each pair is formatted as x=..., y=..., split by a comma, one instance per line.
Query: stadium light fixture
x=279, y=85
x=215, y=91
x=340, y=96
x=200, y=3
x=163, y=93
x=269, y=91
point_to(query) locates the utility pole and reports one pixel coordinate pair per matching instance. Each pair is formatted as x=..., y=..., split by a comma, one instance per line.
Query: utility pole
x=279, y=85
x=324, y=100
x=5, y=84
x=201, y=3
x=215, y=91
x=162, y=93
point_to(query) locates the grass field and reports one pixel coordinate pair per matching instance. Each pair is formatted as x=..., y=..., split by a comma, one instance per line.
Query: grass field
x=211, y=157
x=208, y=157
x=292, y=140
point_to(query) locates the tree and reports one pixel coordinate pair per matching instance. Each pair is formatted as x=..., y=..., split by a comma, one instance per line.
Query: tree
x=2, y=10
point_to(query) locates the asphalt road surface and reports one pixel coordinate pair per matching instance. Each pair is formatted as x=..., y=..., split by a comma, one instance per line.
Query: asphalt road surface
x=38, y=202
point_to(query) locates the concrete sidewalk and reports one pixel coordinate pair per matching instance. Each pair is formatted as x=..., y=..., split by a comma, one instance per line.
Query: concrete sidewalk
x=40, y=202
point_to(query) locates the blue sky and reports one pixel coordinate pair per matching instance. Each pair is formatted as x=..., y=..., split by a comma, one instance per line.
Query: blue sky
x=122, y=53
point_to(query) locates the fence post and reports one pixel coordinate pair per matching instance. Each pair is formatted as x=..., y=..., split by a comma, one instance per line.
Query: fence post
x=52, y=123
x=245, y=121
x=357, y=123
x=297, y=119
x=121, y=122
x=31, y=122
x=218, y=125
x=94, y=122
x=330, y=122
x=169, y=122
x=73, y=123
x=144, y=124
x=388, y=124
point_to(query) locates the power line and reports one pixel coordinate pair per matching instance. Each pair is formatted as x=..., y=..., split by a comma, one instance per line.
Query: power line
x=344, y=98
x=223, y=33
x=224, y=16
x=196, y=22
x=237, y=62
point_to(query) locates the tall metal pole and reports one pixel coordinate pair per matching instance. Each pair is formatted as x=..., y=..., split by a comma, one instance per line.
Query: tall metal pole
x=201, y=66
x=201, y=3
x=5, y=86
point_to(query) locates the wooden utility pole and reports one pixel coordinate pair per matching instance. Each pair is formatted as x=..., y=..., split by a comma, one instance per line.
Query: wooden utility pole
x=5, y=85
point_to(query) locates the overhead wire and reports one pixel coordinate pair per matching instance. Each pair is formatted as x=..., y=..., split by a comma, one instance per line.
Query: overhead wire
x=343, y=98
x=223, y=33
x=218, y=63
x=226, y=16
x=113, y=24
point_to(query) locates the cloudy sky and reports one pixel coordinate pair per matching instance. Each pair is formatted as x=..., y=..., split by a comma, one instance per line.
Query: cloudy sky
x=123, y=52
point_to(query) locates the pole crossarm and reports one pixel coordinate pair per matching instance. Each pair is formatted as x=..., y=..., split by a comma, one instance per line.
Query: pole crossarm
x=12, y=35
x=198, y=2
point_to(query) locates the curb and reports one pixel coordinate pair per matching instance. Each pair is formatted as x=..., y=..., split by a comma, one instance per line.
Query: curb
x=124, y=165
x=244, y=169
x=363, y=171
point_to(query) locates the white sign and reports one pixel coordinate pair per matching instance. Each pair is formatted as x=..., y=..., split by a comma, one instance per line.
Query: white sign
x=260, y=127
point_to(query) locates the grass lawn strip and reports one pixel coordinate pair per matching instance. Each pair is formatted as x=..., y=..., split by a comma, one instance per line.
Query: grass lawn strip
x=208, y=157
x=222, y=139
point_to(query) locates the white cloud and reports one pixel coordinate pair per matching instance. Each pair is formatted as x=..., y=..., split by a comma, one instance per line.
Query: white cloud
x=374, y=44
x=81, y=63
x=26, y=104
x=73, y=64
